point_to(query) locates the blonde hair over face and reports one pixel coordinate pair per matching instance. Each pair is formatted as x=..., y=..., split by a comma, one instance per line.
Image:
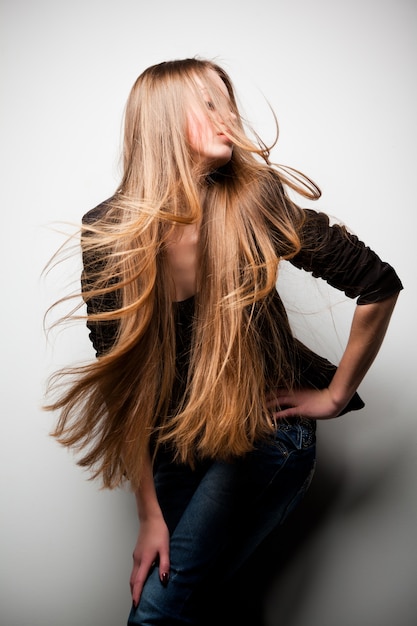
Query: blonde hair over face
x=115, y=406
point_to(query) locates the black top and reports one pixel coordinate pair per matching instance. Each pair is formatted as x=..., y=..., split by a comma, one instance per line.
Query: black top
x=328, y=252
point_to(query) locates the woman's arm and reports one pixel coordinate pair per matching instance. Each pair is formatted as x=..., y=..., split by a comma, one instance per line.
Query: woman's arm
x=369, y=325
x=152, y=545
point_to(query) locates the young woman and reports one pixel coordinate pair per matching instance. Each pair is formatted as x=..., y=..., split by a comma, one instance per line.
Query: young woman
x=200, y=396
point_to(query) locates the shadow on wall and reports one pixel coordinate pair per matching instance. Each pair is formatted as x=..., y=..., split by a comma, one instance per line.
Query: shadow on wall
x=243, y=601
x=270, y=572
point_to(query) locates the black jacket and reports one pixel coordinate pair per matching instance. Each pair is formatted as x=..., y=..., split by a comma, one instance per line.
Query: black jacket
x=328, y=252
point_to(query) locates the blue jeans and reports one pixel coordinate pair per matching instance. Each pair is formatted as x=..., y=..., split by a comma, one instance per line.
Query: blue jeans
x=218, y=514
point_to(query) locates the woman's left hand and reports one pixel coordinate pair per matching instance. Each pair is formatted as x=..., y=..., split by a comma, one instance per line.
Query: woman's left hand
x=305, y=402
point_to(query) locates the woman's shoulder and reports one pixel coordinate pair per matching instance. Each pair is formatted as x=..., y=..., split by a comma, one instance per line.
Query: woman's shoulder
x=99, y=212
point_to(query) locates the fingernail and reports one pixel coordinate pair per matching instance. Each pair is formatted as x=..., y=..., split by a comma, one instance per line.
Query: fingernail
x=164, y=578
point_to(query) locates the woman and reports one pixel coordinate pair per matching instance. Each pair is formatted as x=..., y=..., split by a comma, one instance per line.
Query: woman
x=201, y=397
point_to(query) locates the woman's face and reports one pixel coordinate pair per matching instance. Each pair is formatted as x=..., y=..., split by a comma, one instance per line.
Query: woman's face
x=210, y=146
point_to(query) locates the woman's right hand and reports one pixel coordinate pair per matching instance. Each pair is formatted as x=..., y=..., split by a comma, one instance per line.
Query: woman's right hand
x=151, y=550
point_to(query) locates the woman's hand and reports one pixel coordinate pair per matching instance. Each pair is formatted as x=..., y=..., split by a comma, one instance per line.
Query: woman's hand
x=151, y=550
x=152, y=545
x=309, y=403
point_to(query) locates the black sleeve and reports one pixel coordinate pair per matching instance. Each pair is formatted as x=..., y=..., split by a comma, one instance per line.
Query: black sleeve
x=102, y=333
x=332, y=253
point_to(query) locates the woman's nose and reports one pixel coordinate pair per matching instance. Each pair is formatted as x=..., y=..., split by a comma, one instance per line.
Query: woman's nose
x=229, y=120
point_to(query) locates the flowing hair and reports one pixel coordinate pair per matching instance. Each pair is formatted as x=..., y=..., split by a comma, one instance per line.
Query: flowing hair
x=115, y=407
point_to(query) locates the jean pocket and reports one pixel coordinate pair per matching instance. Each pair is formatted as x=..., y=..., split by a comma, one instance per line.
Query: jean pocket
x=300, y=433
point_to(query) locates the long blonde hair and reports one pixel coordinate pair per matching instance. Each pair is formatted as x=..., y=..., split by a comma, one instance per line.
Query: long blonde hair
x=113, y=407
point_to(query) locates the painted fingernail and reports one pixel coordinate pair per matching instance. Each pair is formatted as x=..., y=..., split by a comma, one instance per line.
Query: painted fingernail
x=164, y=578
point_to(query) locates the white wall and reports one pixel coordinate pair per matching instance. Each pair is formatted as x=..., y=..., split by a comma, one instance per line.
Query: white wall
x=341, y=77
